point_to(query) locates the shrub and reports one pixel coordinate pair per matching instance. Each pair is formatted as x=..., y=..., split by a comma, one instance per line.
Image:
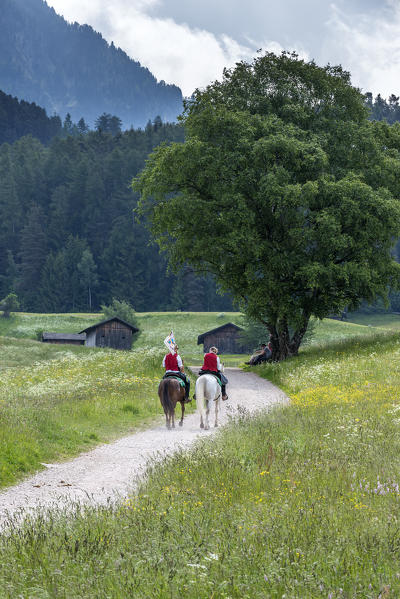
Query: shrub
x=9, y=304
x=122, y=310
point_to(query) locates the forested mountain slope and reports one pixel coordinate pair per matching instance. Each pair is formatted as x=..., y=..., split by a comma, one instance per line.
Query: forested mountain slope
x=71, y=68
x=66, y=223
x=19, y=118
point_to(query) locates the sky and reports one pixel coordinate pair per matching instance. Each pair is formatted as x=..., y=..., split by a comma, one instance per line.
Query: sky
x=189, y=42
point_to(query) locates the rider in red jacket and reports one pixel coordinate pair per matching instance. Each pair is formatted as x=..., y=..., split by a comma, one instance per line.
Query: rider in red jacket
x=212, y=365
x=173, y=365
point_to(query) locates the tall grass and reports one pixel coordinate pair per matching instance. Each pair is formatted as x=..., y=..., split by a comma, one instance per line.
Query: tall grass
x=56, y=408
x=299, y=503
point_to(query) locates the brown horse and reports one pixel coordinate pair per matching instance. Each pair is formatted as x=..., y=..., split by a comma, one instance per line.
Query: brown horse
x=170, y=392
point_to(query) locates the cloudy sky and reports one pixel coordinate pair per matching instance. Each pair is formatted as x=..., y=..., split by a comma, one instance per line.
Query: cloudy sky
x=189, y=42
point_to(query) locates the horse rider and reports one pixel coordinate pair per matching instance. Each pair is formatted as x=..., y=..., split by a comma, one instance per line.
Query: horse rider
x=212, y=365
x=173, y=365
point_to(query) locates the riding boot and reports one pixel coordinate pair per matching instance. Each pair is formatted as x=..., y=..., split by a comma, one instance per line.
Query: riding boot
x=187, y=391
x=224, y=395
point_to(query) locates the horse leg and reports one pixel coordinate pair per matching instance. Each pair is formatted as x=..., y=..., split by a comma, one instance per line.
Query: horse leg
x=183, y=411
x=173, y=417
x=207, y=424
x=200, y=405
x=217, y=406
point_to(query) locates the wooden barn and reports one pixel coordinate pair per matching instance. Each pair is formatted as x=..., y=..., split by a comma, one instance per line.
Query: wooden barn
x=67, y=338
x=225, y=338
x=114, y=333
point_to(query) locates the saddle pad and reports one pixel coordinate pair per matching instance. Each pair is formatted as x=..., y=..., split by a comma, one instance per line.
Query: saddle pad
x=176, y=378
x=216, y=378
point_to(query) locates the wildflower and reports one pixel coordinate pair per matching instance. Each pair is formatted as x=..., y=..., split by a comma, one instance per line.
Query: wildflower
x=212, y=556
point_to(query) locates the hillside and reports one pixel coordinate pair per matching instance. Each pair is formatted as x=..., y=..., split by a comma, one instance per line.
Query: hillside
x=70, y=68
x=19, y=118
x=72, y=201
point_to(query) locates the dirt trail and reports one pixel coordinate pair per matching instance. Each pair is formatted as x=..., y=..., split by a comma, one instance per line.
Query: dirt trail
x=109, y=471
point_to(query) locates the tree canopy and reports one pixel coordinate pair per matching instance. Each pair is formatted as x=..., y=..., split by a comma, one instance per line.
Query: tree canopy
x=284, y=190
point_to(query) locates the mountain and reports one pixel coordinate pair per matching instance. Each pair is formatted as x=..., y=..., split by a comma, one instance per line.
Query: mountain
x=19, y=118
x=71, y=68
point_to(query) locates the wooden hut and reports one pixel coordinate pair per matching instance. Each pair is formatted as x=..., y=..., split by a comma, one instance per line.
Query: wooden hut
x=67, y=338
x=114, y=332
x=225, y=338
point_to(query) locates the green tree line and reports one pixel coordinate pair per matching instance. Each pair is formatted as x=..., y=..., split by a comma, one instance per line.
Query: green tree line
x=19, y=118
x=68, y=237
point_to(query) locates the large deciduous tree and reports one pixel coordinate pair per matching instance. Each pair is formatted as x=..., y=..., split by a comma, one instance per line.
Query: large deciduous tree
x=283, y=190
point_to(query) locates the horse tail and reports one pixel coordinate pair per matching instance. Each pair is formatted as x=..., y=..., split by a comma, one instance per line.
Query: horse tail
x=166, y=401
x=200, y=395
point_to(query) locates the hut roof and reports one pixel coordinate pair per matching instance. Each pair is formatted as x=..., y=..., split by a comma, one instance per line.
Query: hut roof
x=200, y=338
x=64, y=336
x=99, y=324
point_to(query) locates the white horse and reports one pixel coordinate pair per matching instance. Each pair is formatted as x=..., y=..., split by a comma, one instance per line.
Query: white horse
x=208, y=391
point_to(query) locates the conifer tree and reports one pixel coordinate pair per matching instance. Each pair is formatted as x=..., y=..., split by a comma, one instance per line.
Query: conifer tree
x=88, y=275
x=33, y=256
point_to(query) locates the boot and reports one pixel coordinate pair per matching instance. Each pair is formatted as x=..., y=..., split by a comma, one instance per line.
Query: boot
x=187, y=398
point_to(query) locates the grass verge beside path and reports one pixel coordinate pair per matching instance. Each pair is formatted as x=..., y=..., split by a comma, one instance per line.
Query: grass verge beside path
x=53, y=409
x=301, y=503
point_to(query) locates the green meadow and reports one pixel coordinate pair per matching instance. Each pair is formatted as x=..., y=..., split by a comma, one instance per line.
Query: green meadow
x=155, y=326
x=302, y=502
x=59, y=400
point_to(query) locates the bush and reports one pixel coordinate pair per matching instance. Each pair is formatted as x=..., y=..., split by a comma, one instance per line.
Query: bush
x=9, y=304
x=122, y=310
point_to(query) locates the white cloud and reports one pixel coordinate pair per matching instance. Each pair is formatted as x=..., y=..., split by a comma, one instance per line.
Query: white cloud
x=369, y=47
x=362, y=35
x=174, y=52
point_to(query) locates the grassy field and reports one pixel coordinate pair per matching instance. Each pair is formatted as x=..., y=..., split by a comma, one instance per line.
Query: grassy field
x=385, y=321
x=300, y=503
x=155, y=326
x=56, y=403
x=57, y=400
x=29, y=326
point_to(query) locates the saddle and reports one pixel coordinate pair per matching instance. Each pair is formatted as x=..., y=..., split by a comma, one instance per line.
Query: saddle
x=171, y=375
x=214, y=375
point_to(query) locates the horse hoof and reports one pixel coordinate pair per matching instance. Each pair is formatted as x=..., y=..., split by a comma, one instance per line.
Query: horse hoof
x=206, y=428
x=215, y=425
x=180, y=423
x=201, y=425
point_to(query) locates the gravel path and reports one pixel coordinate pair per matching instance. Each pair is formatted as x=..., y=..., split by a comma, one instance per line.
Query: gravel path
x=109, y=471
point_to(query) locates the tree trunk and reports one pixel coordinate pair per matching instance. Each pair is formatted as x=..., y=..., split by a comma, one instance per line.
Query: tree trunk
x=283, y=345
